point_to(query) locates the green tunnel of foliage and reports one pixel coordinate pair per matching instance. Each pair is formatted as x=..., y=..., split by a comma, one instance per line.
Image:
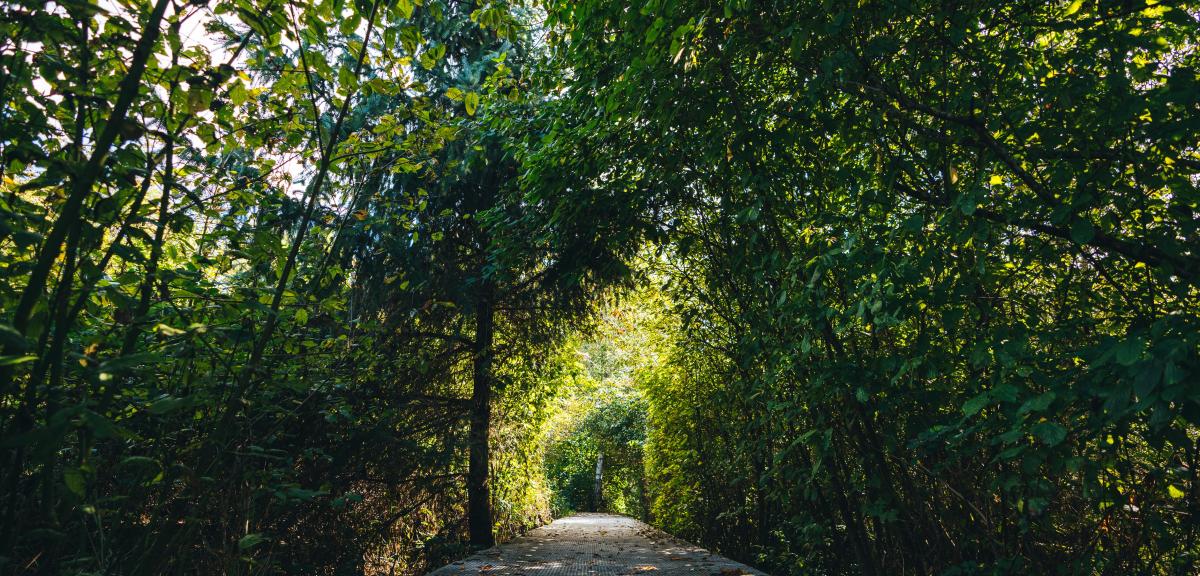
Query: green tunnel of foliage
x=901, y=287
x=600, y=419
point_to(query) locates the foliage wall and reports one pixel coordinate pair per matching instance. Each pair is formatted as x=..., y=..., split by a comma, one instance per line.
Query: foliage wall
x=934, y=266
x=247, y=250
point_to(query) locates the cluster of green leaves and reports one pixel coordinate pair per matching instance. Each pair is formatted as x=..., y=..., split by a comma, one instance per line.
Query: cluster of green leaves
x=248, y=250
x=935, y=267
x=612, y=434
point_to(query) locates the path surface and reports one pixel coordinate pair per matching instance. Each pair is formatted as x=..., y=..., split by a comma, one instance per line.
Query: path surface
x=595, y=545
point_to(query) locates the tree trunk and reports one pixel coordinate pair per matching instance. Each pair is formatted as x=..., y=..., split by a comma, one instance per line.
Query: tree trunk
x=598, y=487
x=479, y=505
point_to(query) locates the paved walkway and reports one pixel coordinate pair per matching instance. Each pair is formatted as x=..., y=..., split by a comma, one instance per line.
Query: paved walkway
x=595, y=545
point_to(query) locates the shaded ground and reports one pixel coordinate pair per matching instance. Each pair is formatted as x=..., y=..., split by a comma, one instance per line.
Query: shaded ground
x=595, y=545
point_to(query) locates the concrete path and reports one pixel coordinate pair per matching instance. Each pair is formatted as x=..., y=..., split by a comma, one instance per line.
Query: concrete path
x=595, y=545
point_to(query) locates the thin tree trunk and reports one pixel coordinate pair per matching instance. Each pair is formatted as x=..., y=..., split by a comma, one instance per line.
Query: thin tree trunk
x=598, y=485
x=54, y=361
x=156, y=250
x=479, y=505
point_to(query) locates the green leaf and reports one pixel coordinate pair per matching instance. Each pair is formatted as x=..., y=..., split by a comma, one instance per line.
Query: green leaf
x=1082, y=231
x=967, y=205
x=198, y=99
x=166, y=404
x=301, y=316
x=381, y=86
x=14, y=360
x=101, y=426
x=1050, y=433
x=1004, y=393
x=73, y=478
x=1038, y=403
x=1011, y=453
x=129, y=361
x=347, y=26
x=471, y=101
x=974, y=405
x=406, y=8
x=238, y=94
x=1129, y=351
x=250, y=540
x=140, y=468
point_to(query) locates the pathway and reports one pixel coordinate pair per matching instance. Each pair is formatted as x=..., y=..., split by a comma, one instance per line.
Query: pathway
x=595, y=545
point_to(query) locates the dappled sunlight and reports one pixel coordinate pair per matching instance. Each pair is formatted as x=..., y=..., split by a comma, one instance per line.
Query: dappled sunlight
x=599, y=544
